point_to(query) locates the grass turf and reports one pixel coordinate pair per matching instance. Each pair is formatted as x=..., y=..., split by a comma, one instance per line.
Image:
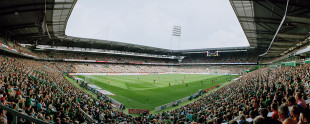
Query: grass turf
x=143, y=93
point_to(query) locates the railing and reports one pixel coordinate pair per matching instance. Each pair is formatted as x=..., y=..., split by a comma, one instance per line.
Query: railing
x=161, y=107
x=89, y=119
x=17, y=115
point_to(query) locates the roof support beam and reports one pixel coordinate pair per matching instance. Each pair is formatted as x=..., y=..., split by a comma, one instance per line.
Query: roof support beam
x=258, y=2
x=20, y=26
x=291, y=36
x=261, y=18
x=269, y=28
x=276, y=5
x=274, y=52
x=277, y=43
x=30, y=10
x=283, y=43
x=304, y=20
x=33, y=4
x=292, y=4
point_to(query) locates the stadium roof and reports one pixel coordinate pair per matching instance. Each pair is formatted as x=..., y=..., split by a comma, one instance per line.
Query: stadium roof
x=30, y=20
x=260, y=20
x=45, y=22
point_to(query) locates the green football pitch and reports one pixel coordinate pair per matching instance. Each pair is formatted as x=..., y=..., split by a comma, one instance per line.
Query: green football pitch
x=140, y=91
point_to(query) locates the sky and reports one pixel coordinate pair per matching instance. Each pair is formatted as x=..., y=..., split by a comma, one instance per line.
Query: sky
x=204, y=23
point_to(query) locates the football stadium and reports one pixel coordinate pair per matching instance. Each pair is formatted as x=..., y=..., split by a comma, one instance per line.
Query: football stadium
x=154, y=62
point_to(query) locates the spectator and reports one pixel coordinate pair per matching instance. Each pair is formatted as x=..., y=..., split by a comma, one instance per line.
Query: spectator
x=300, y=101
x=274, y=108
x=259, y=120
x=3, y=117
x=294, y=111
x=304, y=117
x=284, y=115
x=242, y=120
x=267, y=120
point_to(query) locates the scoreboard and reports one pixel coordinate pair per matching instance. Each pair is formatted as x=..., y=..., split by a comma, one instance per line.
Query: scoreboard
x=212, y=53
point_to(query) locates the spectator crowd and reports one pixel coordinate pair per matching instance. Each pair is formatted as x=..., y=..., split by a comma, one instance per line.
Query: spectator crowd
x=121, y=68
x=40, y=90
x=104, y=57
x=222, y=58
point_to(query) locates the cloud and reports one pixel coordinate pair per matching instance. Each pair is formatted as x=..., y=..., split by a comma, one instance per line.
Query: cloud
x=205, y=24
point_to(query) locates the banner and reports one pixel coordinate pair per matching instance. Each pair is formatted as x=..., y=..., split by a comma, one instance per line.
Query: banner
x=211, y=88
x=138, y=111
x=147, y=73
x=97, y=61
x=14, y=50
